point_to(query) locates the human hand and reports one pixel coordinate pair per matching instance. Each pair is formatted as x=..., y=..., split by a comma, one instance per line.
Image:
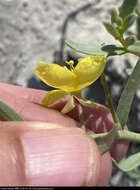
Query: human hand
x=56, y=153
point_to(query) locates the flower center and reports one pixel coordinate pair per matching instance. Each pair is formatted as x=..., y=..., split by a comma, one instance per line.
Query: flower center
x=71, y=64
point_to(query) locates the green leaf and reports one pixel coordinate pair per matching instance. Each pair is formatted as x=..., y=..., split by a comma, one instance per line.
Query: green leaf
x=108, y=50
x=105, y=141
x=135, y=48
x=138, y=22
x=119, y=21
x=128, y=164
x=138, y=183
x=127, y=7
x=112, y=30
x=128, y=21
x=138, y=27
x=128, y=95
x=8, y=114
x=114, y=15
x=137, y=10
x=134, y=173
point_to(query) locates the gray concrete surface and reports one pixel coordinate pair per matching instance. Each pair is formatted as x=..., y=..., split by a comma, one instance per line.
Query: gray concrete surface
x=34, y=30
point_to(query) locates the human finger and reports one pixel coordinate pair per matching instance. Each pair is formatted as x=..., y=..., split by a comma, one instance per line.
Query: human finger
x=34, y=112
x=32, y=95
x=46, y=154
x=106, y=170
x=97, y=119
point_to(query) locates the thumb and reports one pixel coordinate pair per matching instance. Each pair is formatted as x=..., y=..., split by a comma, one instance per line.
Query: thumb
x=45, y=154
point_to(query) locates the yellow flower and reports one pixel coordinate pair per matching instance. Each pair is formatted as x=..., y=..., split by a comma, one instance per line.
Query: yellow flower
x=72, y=81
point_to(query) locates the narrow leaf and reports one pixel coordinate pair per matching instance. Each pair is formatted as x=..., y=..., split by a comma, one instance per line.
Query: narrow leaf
x=105, y=142
x=114, y=15
x=128, y=164
x=135, y=48
x=129, y=20
x=127, y=7
x=111, y=29
x=8, y=114
x=108, y=50
x=138, y=28
x=128, y=95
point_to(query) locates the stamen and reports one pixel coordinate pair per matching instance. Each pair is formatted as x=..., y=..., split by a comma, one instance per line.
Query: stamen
x=70, y=63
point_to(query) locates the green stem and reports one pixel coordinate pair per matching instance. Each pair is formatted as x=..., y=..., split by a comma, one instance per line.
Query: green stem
x=108, y=99
x=121, y=39
x=122, y=135
x=128, y=135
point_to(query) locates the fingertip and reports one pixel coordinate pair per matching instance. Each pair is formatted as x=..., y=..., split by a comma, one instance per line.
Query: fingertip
x=47, y=155
x=106, y=170
x=30, y=94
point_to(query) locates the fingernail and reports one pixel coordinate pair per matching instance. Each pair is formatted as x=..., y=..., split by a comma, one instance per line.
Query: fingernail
x=56, y=157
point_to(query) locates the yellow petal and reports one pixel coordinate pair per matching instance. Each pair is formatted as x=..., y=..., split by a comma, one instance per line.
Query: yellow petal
x=89, y=70
x=55, y=75
x=53, y=96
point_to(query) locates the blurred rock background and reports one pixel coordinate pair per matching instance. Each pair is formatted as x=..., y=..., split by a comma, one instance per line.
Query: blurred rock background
x=35, y=30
